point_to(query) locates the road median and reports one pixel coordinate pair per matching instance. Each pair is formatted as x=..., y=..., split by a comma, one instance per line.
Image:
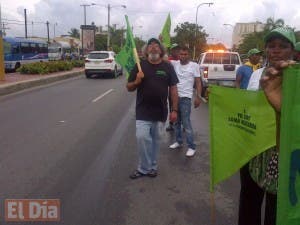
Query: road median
x=20, y=83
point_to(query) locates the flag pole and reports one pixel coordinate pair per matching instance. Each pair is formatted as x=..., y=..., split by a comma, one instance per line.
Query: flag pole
x=212, y=209
x=137, y=60
x=136, y=57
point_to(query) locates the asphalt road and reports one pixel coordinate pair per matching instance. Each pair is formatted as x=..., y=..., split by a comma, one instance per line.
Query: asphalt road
x=75, y=141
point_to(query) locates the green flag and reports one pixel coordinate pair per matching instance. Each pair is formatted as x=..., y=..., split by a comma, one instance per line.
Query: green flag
x=166, y=39
x=288, y=195
x=242, y=125
x=126, y=55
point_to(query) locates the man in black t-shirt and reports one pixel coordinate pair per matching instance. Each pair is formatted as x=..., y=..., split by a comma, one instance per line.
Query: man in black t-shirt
x=152, y=85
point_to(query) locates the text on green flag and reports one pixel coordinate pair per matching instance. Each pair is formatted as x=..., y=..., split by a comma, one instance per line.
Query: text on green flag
x=242, y=125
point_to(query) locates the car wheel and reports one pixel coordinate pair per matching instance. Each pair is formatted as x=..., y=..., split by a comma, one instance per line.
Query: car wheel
x=115, y=73
x=88, y=76
x=17, y=66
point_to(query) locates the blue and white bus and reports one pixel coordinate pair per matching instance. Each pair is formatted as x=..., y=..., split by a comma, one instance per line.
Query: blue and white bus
x=19, y=51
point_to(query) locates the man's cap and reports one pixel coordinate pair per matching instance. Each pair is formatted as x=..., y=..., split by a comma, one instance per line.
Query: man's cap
x=282, y=32
x=174, y=45
x=297, y=46
x=151, y=40
x=253, y=51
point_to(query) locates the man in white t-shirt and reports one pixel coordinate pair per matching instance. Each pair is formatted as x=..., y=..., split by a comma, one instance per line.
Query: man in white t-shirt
x=188, y=74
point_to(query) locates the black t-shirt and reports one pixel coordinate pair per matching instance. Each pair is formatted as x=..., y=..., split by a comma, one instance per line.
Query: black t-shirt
x=152, y=93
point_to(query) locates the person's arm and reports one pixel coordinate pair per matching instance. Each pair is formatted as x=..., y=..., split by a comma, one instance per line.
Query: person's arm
x=272, y=88
x=238, y=81
x=133, y=85
x=198, y=85
x=271, y=83
x=238, y=77
x=174, y=101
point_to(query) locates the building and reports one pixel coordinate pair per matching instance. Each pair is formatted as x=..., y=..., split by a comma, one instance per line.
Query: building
x=240, y=29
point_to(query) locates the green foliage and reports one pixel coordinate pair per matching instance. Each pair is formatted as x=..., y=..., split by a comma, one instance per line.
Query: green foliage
x=77, y=63
x=185, y=36
x=256, y=39
x=271, y=24
x=100, y=42
x=252, y=40
x=74, y=33
x=46, y=67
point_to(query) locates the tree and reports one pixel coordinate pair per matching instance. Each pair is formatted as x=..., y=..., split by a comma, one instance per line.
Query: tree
x=252, y=40
x=271, y=24
x=74, y=33
x=185, y=35
x=256, y=39
x=100, y=42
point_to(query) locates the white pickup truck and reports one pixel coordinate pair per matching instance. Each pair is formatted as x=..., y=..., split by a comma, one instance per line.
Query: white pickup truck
x=219, y=67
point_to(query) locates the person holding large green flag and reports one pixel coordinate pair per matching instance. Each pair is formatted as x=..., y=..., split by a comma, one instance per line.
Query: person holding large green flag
x=259, y=177
x=152, y=83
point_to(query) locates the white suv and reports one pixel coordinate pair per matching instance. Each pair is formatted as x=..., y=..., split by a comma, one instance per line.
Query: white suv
x=102, y=62
x=219, y=67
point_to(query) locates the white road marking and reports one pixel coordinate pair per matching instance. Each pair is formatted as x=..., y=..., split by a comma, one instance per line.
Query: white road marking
x=101, y=96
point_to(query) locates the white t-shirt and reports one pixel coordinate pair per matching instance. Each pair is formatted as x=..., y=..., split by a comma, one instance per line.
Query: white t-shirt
x=186, y=75
x=253, y=84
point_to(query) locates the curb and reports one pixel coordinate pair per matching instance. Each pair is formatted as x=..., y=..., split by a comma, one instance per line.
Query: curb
x=21, y=85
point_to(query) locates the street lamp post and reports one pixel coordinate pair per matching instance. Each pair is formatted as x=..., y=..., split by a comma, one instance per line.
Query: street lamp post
x=205, y=3
x=228, y=24
x=55, y=24
x=109, y=7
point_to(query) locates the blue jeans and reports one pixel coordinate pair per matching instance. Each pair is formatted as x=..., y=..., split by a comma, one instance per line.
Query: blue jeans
x=148, y=140
x=184, y=113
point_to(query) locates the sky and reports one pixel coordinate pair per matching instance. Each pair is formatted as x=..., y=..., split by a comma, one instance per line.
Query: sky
x=146, y=16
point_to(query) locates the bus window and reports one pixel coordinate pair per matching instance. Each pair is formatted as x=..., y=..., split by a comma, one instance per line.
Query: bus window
x=25, y=48
x=33, y=48
x=44, y=48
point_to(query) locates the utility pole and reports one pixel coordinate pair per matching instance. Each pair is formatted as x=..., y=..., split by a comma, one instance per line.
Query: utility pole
x=2, y=70
x=84, y=12
x=31, y=28
x=25, y=15
x=55, y=24
x=48, y=31
x=108, y=25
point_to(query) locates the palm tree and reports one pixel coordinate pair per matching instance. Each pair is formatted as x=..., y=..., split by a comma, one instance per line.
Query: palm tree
x=74, y=33
x=272, y=23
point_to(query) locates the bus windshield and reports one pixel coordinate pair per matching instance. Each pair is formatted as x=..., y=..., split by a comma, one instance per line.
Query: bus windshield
x=54, y=50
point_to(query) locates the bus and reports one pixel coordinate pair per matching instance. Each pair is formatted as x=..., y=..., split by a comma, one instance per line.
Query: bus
x=19, y=51
x=58, y=50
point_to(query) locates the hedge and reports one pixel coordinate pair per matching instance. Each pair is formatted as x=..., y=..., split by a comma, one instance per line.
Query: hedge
x=49, y=67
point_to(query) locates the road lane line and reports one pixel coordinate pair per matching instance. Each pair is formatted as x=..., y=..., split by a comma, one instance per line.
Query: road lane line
x=101, y=96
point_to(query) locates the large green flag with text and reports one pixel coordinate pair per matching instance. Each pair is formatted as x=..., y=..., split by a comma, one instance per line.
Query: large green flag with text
x=126, y=55
x=288, y=200
x=165, y=33
x=242, y=125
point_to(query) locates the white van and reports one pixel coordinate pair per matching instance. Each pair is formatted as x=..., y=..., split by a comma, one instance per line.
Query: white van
x=219, y=67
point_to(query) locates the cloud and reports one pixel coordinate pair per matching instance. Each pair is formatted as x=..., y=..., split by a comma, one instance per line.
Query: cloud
x=148, y=16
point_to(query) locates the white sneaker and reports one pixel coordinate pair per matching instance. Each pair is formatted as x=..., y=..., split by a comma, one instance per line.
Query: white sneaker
x=175, y=145
x=190, y=152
